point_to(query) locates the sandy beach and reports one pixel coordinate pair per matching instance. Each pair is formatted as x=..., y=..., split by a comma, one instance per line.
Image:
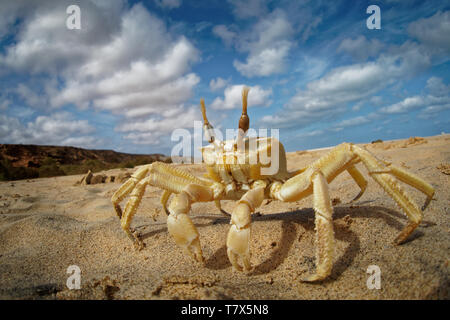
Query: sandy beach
x=49, y=224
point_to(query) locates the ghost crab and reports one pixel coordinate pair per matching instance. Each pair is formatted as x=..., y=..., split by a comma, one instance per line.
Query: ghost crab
x=244, y=181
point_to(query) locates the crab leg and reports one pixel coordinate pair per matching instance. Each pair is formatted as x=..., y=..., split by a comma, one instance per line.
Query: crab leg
x=161, y=175
x=141, y=173
x=166, y=182
x=130, y=210
x=238, y=240
x=324, y=229
x=360, y=181
x=164, y=198
x=414, y=181
x=219, y=206
x=315, y=178
x=313, y=181
x=381, y=174
x=127, y=187
x=345, y=156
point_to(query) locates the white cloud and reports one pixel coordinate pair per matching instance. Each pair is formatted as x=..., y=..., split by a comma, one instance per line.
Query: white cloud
x=146, y=80
x=264, y=63
x=202, y=25
x=249, y=8
x=434, y=110
x=353, y=122
x=182, y=118
x=308, y=134
x=437, y=100
x=170, y=4
x=223, y=32
x=44, y=45
x=357, y=106
x=268, y=44
x=436, y=87
x=360, y=48
x=406, y=105
x=4, y=103
x=233, y=98
x=433, y=32
x=56, y=129
x=31, y=97
x=218, y=83
x=309, y=27
x=376, y=100
x=123, y=60
x=131, y=92
x=311, y=68
x=328, y=96
x=415, y=102
x=139, y=133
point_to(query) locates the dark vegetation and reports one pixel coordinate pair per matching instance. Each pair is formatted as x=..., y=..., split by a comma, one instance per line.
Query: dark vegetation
x=32, y=161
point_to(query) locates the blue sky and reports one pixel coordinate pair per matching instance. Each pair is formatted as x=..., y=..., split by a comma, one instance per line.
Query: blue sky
x=136, y=71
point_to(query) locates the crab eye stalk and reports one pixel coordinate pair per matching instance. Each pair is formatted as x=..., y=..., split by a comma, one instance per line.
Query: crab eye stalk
x=202, y=104
x=207, y=127
x=244, y=121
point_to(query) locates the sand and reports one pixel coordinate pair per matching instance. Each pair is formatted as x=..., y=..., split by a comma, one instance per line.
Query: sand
x=47, y=225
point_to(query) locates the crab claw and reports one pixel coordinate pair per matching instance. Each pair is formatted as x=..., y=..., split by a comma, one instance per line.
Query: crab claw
x=314, y=277
x=185, y=234
x=238, y=247
x=238, y=239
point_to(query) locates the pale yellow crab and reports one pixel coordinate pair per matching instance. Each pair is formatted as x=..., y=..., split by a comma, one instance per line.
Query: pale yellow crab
x=236, y=171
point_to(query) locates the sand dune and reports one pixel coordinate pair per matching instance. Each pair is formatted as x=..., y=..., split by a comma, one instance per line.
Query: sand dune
x=47, y=225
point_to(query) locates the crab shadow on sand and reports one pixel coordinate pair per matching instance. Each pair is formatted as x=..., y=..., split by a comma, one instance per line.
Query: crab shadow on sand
x=305, y=218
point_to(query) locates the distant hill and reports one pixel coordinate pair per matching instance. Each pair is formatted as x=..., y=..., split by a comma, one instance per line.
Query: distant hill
x=19, y=161
x=28, y=155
